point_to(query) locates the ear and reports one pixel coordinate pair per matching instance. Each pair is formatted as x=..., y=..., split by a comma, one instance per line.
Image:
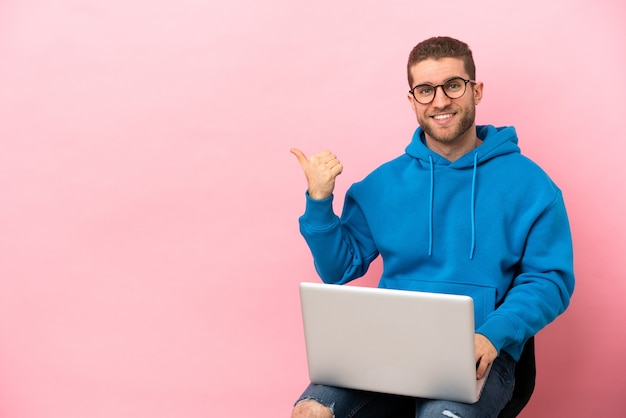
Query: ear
x=412, y=101
x=478, y=92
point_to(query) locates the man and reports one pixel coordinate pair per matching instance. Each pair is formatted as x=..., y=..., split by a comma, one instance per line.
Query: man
x=462, y=211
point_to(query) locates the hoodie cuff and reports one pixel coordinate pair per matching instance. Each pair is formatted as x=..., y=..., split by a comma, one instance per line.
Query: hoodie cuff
x=319, y=214
x=501, y=331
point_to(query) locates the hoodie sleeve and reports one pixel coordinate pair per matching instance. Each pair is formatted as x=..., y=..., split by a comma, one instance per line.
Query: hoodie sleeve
x=342, y=249
x=545, y=283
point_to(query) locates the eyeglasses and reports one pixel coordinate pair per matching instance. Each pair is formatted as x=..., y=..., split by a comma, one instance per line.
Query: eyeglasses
x=453, y=88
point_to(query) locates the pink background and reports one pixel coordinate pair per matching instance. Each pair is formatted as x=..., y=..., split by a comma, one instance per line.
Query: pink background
x=149, y=248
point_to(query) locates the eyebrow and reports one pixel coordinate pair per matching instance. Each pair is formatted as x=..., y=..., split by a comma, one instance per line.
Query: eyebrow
x=444, y=82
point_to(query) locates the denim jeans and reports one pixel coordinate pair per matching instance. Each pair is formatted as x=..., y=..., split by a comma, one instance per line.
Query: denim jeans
x=349, y=403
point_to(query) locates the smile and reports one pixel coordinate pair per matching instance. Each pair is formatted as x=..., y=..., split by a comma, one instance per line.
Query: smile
x=443, y=117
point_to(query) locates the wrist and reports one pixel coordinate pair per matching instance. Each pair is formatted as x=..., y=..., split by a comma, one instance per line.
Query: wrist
x=318, y=195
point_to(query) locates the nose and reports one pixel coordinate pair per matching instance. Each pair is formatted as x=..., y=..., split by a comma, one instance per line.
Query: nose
x=440, y=100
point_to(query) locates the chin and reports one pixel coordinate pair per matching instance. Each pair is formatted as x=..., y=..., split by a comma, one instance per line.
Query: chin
x=445, y=135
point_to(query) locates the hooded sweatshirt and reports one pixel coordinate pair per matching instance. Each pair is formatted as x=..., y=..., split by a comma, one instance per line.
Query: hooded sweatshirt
x=490, y=225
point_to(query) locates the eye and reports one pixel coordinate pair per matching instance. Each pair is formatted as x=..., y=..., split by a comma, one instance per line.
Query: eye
x=454, y=85
x=424, y=90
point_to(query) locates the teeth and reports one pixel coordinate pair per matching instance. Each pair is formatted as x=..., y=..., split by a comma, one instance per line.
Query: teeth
x=441, y=117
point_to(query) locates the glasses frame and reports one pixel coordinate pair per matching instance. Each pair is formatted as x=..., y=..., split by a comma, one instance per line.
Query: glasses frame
x=435, y=86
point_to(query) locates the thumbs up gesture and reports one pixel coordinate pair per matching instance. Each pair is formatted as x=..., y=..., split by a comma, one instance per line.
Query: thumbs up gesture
x=320, y=171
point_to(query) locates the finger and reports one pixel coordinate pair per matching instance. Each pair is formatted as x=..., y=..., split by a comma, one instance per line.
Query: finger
x=482, y=368
x=335, y=167
x=302, y=159
x=326, y=157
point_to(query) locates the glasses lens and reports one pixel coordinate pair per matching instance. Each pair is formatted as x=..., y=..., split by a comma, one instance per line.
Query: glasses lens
x=424, y=93
x=454, y=88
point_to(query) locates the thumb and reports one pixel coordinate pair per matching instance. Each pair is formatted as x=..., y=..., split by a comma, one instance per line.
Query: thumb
x=302, y=159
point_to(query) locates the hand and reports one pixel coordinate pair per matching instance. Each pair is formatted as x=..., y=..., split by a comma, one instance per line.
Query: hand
x=486, y=353
x=320, y=171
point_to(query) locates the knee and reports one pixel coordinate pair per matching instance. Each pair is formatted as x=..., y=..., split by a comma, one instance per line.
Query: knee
x=311, y=409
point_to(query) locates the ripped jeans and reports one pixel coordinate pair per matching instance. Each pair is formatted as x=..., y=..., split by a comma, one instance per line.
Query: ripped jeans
x=348, y=403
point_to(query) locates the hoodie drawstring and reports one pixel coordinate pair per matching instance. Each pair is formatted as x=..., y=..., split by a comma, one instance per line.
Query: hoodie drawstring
x=472, y=210
x=472, y=205
x=430, y=213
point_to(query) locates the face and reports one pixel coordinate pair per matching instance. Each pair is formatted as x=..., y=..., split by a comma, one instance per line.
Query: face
x=446, y=121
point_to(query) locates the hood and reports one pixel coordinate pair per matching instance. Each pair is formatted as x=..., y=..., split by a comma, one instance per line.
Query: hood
x=496, y=142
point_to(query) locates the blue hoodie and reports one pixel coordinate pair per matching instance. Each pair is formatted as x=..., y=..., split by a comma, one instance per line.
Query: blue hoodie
x=491, y=225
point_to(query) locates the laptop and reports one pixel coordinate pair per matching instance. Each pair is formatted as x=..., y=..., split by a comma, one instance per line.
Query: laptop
x=392, y=341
